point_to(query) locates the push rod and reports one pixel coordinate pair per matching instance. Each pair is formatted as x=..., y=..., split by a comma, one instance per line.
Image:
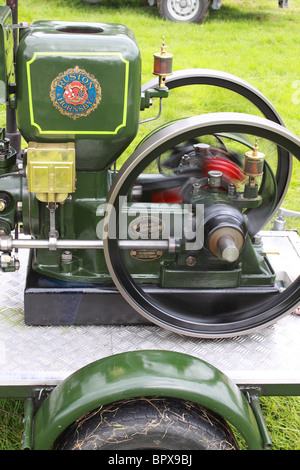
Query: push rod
x=8, y=243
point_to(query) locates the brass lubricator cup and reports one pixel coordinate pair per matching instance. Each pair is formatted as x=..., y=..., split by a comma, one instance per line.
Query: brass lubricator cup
x=254, y=162
x=162, y=64
x=253, y=167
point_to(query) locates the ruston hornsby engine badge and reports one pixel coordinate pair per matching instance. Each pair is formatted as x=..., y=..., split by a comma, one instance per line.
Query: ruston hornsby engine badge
x=75, y=93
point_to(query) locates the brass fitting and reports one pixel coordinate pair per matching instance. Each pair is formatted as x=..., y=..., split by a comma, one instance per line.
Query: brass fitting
x=254, y=164
x=162, y=64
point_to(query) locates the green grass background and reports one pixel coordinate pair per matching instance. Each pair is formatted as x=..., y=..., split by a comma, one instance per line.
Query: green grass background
x=252, y=39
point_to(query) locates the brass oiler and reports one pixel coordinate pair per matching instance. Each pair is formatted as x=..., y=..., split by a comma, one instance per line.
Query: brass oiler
x=162, y=64
x=253, y=167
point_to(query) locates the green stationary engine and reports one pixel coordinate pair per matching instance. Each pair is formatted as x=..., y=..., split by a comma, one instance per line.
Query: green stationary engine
x=175, y=230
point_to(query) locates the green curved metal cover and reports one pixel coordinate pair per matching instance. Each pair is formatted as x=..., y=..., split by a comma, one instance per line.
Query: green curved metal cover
x=143, y=373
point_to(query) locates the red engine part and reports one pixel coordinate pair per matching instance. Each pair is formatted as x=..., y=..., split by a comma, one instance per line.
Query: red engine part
x=168, y=195
x=231, y=174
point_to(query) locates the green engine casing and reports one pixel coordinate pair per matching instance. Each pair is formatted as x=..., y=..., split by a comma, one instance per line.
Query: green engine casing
x=105, y=60
x=102, y=57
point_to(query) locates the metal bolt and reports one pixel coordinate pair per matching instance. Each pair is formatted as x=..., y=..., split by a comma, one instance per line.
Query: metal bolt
x=66, y=257
x=215, y=178
x=7, y=145
x=231, y=189
x=185, y=160
x=257, y=240
x=196, y=188
x=191, y=261
x=201, y=149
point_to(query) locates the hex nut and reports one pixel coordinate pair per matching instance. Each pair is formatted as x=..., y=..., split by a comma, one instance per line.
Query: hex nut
x=66, y=257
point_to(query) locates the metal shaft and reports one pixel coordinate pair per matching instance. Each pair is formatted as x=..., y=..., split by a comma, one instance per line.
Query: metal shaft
x=228, y=248
x=8, y=244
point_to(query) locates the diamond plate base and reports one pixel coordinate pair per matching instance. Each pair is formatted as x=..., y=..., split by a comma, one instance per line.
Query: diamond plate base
x=44, y=356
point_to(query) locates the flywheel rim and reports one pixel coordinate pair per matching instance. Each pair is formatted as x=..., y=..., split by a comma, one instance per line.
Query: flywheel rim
x=263, y=315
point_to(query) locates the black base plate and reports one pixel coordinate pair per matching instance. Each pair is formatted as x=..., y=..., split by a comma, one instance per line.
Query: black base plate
x=51, y=302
